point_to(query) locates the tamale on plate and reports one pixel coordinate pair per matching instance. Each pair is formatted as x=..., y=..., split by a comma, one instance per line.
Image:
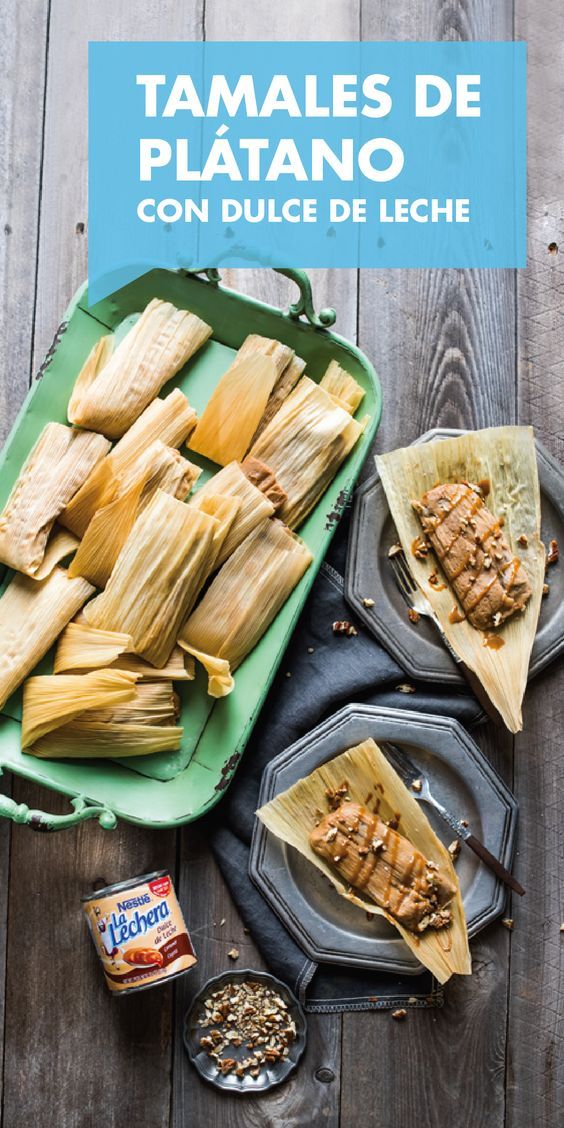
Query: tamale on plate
x=502, y=462
x=361, y=786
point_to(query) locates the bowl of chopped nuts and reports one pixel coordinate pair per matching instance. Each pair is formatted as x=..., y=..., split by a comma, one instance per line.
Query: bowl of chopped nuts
x=245, y=1032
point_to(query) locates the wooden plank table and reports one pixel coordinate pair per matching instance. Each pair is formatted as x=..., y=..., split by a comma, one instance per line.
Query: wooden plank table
x=453, y=348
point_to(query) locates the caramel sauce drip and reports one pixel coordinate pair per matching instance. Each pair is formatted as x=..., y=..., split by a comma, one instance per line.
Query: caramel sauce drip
x=493, y=641
x=485, y=486
x=456, y=615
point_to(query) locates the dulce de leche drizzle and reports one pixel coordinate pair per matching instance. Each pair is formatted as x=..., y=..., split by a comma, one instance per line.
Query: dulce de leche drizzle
x=373, y=857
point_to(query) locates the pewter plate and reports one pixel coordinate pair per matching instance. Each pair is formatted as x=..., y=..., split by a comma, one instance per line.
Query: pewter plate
x=418, y=647
x=328, y=928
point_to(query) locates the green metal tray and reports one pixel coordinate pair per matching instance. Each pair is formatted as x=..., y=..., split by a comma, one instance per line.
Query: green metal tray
x=170, y=789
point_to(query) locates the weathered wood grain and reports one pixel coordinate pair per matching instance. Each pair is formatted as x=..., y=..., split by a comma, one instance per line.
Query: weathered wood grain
x=62, y=260
x=22, y=78
x=443, y=344
x=22, y=81
x=216, y=929
x=535, y=1068
x=74, y=1055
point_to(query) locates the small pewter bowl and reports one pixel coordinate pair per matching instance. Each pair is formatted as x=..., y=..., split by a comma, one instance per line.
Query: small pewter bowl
x=270, y=1074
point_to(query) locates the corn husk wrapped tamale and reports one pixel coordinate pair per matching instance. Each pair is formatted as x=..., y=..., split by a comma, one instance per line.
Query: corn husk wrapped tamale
x=82, y=648
x=230, y=419
x=32, y=615
x=159, y=467
x=262, y=477
x=169, y=421
x=157, y=577
x=371, y=781
x=102, y=713
x=51, y=701
x=505, y=458
x=61, y=543
x=57, y=467
x=243, y=599
x=281, y=390
x=304, y=445
x=232, y=481
x=109, y=397
x=342, y=387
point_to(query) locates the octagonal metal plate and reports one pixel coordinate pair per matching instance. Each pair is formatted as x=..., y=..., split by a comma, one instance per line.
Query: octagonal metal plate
x=327, y=927
x=418, y=647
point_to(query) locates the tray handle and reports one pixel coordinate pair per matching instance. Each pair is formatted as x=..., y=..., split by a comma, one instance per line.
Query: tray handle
x=303, y=306
x=41, y=820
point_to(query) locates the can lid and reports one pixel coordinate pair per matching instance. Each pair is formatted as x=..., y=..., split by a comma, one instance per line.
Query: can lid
x=119, y=886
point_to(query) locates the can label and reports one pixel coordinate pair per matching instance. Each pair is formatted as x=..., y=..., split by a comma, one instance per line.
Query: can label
x=140, y=934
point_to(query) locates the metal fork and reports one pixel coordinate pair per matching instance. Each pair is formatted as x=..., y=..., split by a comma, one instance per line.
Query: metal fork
x=416, y=601
x=412, y=775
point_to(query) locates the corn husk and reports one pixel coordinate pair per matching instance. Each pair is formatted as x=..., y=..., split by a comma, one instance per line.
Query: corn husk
x=238, y=403
x=342, y=387
x=243, y=599
x=115, y=717
x=81, y=647
x=159, y=467
x=61, y=543
x=231, y=481
x=32, y=615
x=304, y=445
x=226, y=427
x=58, y=465
x=506, y=457
x=293, y=814
x=109, y=397
x=281, y=390
x=157, y=577
x=178, y=668
x=169, y=421
x=53, y=700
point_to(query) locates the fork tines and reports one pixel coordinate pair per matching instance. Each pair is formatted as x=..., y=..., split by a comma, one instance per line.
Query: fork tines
x=403, y=576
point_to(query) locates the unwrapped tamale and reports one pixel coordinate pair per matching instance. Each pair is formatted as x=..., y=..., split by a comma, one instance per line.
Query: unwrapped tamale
x=375, y=858
x=468, y=541
x=32, y=615
x=57, y=467
x=109, y=397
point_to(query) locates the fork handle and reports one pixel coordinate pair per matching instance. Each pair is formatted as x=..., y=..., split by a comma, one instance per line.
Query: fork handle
x=493, y=863
x=479, y=692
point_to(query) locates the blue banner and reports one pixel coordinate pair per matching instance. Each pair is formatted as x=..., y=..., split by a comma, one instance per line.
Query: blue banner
x=323, y=154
